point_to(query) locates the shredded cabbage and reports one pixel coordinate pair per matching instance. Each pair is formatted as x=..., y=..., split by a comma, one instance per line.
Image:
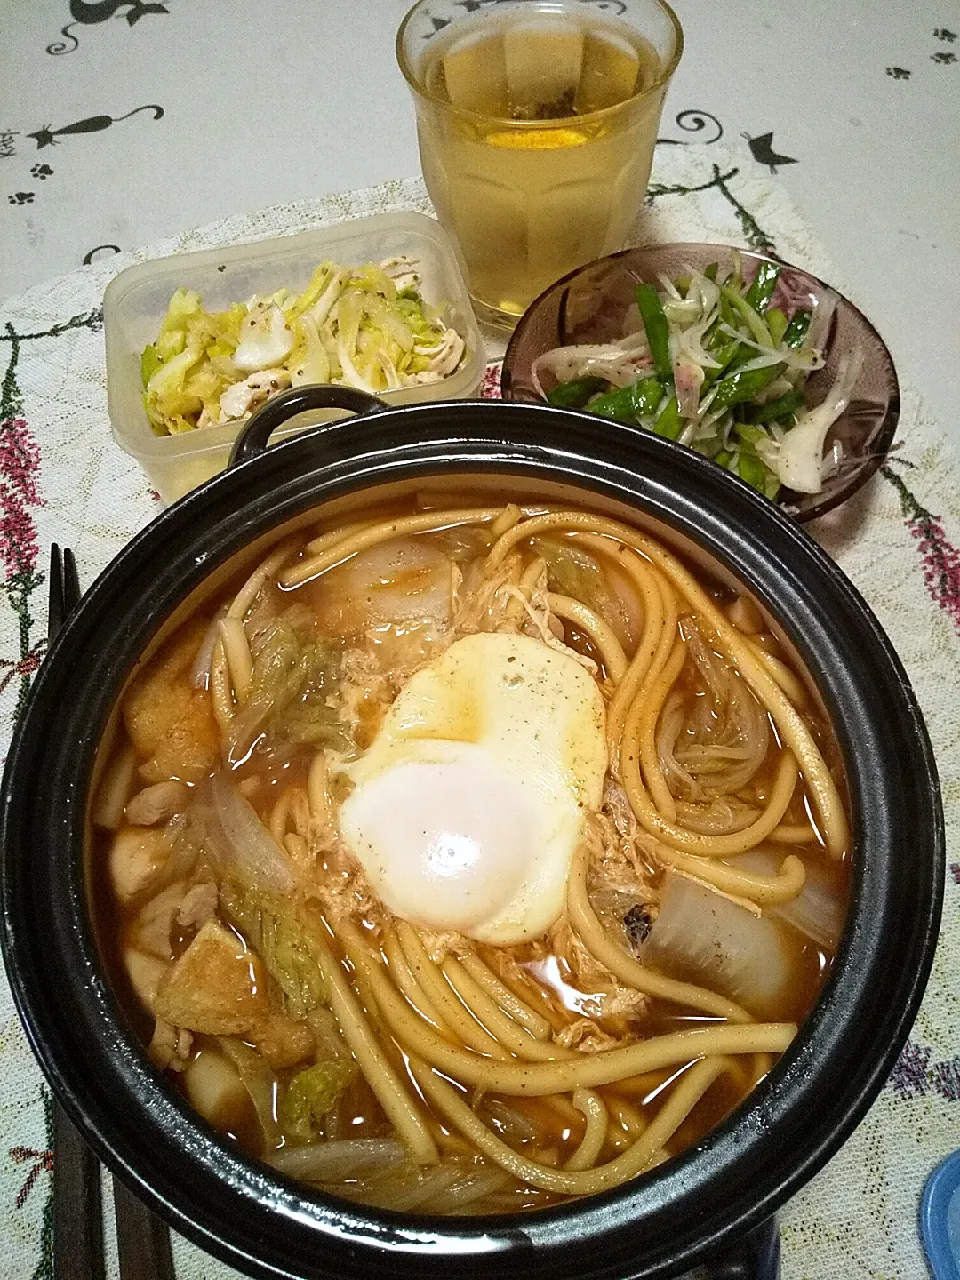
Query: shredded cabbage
x=274, y=929
x=366, y=327
x=310, y=1095
x=292, y=694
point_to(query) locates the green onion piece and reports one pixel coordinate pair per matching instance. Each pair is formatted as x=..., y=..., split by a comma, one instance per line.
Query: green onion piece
x=776, y=323
x=736, y=388
x=758, y=330
x=761, y=291
x=669, y=424
x=711, y=272
x=657, y=329
x=752, y=470
x=576, y=393
x=722, y=458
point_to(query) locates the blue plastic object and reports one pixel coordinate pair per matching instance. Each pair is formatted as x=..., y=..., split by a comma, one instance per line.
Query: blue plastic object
x=940, y=1219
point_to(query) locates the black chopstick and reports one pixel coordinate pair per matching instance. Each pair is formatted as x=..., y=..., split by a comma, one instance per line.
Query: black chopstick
x=77, y=1222
x=143, y=1241
x=77, y=1225
x=752, y=1256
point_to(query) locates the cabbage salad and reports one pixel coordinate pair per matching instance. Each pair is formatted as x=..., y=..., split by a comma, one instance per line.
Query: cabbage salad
x=365, y=327
x=712, y=364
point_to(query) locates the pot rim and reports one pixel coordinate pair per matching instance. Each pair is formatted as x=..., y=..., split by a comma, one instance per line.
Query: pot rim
x=232, y=1201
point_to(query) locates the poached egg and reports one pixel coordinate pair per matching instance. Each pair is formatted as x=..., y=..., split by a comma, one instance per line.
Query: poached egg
x=472, y=799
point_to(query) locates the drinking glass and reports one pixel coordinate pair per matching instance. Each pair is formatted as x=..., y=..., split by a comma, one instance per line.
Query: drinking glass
x=537, y=121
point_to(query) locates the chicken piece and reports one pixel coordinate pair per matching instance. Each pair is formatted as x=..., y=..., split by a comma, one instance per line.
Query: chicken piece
x=283, y=1041
x=157, y=803
x=171, y=723
x=169, y=1046
x=240, y=399
x=585, y=1035
x=266, y=339
x=444, y=355
x=145, y=974
x=199, y=904
x=217, y=987
x=137, y=859
x=402, y=270
x=153, y=926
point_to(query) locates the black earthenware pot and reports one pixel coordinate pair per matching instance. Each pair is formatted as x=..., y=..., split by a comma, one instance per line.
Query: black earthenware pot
x=664, y=1221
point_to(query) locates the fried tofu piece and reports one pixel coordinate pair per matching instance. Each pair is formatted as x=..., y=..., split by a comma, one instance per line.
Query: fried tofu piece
x=170, y=723
x=283, y=1041
x=217, y=987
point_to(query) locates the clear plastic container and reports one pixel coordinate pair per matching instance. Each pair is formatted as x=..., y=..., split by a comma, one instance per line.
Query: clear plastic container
x=136, y=301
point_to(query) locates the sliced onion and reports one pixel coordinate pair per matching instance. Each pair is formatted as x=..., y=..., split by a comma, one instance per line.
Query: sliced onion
x=480, y=1181
x=823, y=311
x=200, y=672
x=332, y=1161
x=245, y=844
x=516, y=1126
x=800, y=459
x=259, y=1081
x=422, y=1185
x=619, y=362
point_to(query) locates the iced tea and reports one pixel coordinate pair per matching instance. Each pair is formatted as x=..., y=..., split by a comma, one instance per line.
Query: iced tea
x=537, y=125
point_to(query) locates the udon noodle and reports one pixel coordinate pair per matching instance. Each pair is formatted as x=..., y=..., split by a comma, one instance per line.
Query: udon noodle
x=630, y=972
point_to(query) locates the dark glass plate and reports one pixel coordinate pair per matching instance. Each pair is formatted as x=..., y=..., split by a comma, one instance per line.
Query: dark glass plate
x=589, y=305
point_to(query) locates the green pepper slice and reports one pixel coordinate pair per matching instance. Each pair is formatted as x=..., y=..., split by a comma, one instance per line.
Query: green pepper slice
x=576, y=393
x=783, y=407
x=776, y=323
x=738, y=387
x=796, y=330
x=669, y=424
x=761, y=291
x=657, y=329
x=627, y=404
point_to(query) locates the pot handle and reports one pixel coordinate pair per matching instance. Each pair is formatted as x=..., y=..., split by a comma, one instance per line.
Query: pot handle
x=754, y=1256
x=255, y=435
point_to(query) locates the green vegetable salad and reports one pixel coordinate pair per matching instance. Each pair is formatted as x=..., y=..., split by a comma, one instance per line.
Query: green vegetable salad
x=712, y=364
x=364, y=327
